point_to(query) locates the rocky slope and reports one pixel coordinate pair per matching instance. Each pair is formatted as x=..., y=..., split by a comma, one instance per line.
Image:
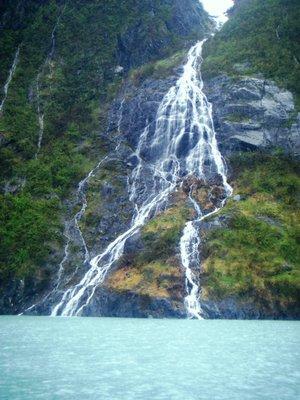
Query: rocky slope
x=67, y=202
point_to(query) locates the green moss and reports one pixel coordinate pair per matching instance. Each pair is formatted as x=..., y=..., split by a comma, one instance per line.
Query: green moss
x=71, y=87
x=258, y=254
x=155, y=270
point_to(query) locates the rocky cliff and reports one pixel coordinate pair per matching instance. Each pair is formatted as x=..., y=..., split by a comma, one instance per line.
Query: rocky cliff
x=85, y=99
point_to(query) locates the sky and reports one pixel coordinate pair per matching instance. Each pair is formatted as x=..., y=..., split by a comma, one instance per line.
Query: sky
x=217, y=7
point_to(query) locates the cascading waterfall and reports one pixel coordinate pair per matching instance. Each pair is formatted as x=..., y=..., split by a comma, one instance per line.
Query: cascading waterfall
x=182, y=144
x=190, y=257
x=75, y=224
x=189, y=251
x=9, y=78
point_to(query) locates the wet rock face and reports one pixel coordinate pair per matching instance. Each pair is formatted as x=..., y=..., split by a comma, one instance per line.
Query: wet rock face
x=109, y=210
x=261, y=106
x=139, y=108
x=251, y=113
x=248, y=113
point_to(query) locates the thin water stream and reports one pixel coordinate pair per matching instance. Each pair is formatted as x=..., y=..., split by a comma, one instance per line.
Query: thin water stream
x=41, y=73
x=9, y=79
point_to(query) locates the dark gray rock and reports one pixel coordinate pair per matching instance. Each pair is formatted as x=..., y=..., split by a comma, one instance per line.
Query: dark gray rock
x=251, y=113
x=237, y=308
x=229, y=309
x=131, y=305
x=14, y=186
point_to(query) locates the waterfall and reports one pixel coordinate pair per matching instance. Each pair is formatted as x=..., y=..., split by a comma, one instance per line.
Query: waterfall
x=9, y=78
x=183, y=144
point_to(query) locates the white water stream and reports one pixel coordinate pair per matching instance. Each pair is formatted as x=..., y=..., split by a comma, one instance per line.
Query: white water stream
x=9, y=78
x=182, y=144
x=46, y=64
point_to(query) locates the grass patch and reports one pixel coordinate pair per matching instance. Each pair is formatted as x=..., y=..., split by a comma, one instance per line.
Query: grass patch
x=161, y=235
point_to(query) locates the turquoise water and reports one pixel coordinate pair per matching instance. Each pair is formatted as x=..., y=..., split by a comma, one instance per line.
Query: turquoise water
x=128, y=359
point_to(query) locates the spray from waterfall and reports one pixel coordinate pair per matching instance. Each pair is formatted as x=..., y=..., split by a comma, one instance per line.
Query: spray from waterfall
x=183, y=144
x=9, y=78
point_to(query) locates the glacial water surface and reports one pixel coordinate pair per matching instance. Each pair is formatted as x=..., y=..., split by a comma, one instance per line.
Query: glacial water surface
x=125, y=359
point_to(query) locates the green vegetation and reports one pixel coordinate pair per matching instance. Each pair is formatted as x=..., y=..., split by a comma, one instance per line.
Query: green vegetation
x=24, y=225
x=258, y=255
x=264, y=35
x=237, y=118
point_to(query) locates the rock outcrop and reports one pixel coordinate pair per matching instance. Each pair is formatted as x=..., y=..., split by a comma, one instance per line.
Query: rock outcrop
x=253, y=113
